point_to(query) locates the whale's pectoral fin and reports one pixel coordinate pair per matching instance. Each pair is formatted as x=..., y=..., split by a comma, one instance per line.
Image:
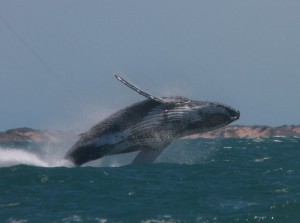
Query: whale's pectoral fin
x=141, y=92
x=147, y=155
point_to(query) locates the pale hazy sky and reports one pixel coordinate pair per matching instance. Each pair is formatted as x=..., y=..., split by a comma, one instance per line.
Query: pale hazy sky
x=242, y=53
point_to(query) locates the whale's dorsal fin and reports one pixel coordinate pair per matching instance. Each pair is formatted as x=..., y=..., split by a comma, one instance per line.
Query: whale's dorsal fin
x=141, y=92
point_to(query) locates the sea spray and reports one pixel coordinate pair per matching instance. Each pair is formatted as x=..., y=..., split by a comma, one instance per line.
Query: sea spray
x=42, y=156
x=51, y=154
x=17, y=156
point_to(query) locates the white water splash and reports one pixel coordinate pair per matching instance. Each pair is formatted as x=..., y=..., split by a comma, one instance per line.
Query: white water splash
x=50, y=154
x=12, y=157
x=53, y=156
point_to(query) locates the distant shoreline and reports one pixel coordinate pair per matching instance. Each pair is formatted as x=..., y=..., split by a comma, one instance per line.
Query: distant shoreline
x=251, y=131
x=232, y=131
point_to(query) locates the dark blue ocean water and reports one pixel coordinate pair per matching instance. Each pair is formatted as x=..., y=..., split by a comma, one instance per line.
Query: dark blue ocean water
x=199, y=180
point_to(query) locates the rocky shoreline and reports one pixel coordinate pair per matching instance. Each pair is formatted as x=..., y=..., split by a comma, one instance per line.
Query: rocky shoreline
x=31, y=135
x=256, y=131
x=232, y=131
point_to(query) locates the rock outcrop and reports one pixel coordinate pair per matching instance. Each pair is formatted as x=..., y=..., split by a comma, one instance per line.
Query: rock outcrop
x=28, y=135
x=257, y=131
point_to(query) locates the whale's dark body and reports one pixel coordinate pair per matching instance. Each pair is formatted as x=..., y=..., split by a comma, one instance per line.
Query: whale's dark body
x=149, y=126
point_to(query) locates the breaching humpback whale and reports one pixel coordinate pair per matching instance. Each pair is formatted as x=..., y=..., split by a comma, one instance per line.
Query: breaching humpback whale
x=149, y=126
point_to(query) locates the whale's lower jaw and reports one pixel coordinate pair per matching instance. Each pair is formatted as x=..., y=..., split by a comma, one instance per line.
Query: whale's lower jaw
x=150, y=147
x=79, y=155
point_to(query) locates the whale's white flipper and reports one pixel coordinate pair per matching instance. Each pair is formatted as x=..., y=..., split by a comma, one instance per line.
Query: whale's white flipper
x=147, y=156
x=141, y=92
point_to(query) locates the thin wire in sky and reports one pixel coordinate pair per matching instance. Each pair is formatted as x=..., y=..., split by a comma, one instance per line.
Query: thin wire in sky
x=39, y=58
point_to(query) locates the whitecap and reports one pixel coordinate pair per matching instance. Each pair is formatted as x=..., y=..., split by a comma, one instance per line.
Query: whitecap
x=258, y=140
x=262, y=159
x=11, y=220
x=74, y=218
